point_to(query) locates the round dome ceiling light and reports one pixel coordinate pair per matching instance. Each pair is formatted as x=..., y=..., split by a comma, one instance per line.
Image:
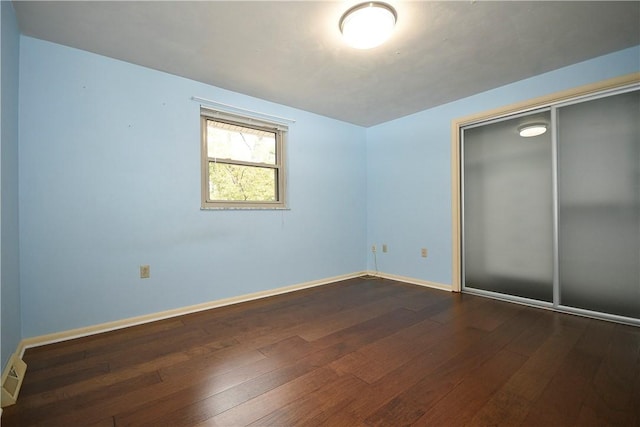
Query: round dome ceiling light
x=368, y=25
x=532, y=129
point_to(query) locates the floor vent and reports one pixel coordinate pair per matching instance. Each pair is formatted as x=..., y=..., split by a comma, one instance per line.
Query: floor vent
x=12, y=380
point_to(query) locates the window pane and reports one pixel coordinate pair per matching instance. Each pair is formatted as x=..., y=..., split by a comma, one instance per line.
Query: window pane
x=228, y=141
x=242, y=183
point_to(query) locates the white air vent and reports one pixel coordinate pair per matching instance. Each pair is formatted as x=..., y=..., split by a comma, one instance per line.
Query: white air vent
x=12, y=380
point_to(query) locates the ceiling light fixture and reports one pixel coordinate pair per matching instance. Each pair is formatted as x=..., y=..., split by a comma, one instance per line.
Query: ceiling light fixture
x=368, y=25
x=532, y=129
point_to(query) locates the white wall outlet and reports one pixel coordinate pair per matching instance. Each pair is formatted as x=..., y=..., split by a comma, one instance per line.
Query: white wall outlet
x=423, y=252
x=145, y=272
x=373, y=248
x=384, y=248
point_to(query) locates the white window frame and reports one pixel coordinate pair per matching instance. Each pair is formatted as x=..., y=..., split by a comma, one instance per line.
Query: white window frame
x=280, y=131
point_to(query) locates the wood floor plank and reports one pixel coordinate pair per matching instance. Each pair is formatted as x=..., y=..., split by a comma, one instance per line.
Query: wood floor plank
x=562, y=399
x=87, y=385
x=462, y=306
x=373, y=361
x=610, y=399
x=57, y=414
x=292, y=347
x=187, y=408
x=529, y=341
x=55, y=382
x=50, y=364
x=215, y=362
x=326, y=402
x=257, y=314
x=418, y=398
x=395, y=383
x=255, y=409
x=98, y=343
x=347, y=318
x=262, y=330
x=359, y=352
x=381, y=357
x=448, y=342
x=611, y=383
x=120, y=372
x=192, y=386
x=459, y=406
x=333, y=346
x=510, y=404
x=107, y=422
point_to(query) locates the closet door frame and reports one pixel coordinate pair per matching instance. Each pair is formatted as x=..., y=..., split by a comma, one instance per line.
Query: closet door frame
x=552, y=102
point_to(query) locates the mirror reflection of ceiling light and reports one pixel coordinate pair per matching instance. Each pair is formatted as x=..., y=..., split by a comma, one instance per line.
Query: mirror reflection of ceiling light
x=368, y=25
x=532, y=129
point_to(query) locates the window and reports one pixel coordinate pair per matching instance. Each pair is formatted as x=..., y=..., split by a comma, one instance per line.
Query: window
x=242, y=162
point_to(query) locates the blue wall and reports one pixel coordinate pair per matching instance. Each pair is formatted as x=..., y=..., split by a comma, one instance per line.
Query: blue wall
x=9, y=243
x=409, y=170
x=110, y=180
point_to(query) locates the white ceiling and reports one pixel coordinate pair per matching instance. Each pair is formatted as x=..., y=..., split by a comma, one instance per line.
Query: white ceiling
x=291, y=52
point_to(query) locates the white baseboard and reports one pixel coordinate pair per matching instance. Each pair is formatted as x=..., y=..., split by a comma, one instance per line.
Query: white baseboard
x=138, y=320
x=410, y=280
x=147, y=318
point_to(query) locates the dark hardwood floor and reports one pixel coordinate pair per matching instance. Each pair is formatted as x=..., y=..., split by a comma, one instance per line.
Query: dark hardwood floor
x=358, y=352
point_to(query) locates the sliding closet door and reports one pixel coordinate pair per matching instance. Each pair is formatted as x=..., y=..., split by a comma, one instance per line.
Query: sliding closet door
x=507, y=209
x=599, y=204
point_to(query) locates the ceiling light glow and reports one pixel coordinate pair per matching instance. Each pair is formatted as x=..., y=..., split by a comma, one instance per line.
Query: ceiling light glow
x=532, y=129
x=368, y=25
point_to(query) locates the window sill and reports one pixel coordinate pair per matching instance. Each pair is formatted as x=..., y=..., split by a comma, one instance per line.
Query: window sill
x=241, y=208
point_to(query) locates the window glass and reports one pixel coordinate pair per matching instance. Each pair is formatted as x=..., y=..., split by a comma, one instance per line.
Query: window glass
x=235, y=182
x=228, y=141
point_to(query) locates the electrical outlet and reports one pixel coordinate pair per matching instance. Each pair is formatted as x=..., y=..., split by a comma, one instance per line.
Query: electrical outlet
x=145, y=272
x=423, y=252
x=373, y=248
x=384, y=247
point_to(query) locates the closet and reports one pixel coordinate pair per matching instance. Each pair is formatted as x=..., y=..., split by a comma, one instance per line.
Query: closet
x=550, y=205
